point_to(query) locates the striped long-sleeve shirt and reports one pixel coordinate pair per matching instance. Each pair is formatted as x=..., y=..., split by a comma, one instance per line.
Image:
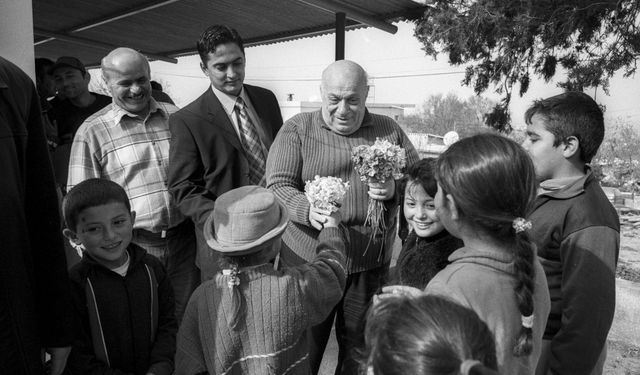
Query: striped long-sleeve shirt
x=306, y=147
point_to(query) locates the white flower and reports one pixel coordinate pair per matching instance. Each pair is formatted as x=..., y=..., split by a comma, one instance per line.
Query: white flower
x=326, y=192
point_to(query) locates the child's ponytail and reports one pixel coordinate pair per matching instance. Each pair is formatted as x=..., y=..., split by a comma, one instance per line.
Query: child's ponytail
x=524, y=288
x=237, y=299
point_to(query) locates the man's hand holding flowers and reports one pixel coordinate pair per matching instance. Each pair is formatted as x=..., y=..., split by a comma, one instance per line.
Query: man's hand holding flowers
x=382, y=191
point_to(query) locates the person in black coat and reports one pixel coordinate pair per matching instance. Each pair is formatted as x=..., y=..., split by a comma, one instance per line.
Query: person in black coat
x=35, y=308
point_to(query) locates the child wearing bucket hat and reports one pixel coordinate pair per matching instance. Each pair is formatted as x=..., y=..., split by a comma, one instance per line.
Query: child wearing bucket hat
x=252, y=317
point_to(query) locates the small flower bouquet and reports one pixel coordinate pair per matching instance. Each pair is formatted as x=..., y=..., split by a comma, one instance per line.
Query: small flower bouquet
x=326, y=192
x=378, y=163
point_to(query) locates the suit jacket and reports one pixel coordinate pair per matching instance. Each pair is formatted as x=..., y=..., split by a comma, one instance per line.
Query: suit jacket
x=206, y=158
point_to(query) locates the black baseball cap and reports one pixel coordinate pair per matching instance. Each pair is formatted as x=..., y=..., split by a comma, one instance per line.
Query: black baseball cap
x=70, y=62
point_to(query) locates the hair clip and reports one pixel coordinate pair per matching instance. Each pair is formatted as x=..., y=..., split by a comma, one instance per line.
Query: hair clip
x=527, y=321
x=521, y=224
x=467, y=364
x=233, y=276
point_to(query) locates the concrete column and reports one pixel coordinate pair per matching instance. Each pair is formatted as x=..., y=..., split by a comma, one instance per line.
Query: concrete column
x=16, y=34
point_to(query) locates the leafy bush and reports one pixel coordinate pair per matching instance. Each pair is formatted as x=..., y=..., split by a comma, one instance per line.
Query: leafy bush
x=619, y=155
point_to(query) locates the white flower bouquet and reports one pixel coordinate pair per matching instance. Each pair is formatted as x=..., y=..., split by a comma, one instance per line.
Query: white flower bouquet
x=377, y=163
x=326, y=192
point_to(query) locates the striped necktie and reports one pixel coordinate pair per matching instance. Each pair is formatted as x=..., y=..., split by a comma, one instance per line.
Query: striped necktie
x=253, y=148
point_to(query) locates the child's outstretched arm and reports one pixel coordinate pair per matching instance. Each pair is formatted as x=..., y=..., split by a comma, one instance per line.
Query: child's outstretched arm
x=323, y=280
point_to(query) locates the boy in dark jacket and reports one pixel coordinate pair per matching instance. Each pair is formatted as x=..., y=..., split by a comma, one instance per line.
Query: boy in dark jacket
x=123, y=301
x=577, y=232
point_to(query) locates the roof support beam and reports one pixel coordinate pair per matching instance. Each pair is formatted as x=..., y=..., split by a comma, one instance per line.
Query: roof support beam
x=97, y=44
x=122, y=14
x=352, y=12
x=341, y=20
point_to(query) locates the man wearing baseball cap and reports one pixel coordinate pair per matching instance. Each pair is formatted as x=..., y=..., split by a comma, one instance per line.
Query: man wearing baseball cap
x=72, y=81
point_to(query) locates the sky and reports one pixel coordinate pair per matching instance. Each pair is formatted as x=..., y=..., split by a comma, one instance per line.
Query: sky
x=399, y=73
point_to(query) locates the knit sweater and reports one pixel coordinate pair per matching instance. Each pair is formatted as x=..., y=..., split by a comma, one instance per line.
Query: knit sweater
x=306, y=147
x=279, y=307
x=577, y=232
x=484, y=282
x=421, y=258
x=125, y=324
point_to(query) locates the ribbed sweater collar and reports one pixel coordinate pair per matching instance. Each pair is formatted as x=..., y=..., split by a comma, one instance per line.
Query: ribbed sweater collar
x=366, y=120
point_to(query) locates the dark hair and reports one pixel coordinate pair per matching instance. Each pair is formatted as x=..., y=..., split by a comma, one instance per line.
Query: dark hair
x=571, y=114
x=214, y=36
x=423, y=173
x=156, y=86
x=91, y=193
x=43, y=66
x=492, y=181
x=426, y=335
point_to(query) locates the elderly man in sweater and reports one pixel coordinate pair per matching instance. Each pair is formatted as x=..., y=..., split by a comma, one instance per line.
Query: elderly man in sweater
x=320, y=143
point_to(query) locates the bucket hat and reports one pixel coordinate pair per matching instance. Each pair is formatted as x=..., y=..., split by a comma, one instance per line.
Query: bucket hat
x=244, y=219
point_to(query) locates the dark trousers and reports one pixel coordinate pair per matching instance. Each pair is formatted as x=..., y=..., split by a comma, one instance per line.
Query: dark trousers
x=207, y=259
x=350, y=314
x=177, y=252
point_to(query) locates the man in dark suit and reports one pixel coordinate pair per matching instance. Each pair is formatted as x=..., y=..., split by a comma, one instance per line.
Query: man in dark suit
x=220, y=141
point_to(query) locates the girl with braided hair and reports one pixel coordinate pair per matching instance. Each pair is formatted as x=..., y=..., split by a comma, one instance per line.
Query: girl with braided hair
x=486, y=184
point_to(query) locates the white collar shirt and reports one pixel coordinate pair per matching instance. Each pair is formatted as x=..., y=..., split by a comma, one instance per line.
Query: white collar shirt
x=228, y=102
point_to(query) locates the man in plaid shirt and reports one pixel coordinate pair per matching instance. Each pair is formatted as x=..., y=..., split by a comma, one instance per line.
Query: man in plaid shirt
x=128, y=142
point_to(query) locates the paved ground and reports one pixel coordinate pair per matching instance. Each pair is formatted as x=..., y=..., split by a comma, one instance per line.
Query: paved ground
x=623, y=356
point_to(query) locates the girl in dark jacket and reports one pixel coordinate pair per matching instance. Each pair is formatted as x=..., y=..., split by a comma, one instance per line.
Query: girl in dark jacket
x=426, y=244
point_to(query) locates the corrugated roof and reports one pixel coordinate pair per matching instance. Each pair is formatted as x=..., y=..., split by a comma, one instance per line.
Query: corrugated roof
x=88, y=29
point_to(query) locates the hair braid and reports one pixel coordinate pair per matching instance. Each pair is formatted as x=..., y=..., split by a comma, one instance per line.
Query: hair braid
x=525, y=274
x=237, y=299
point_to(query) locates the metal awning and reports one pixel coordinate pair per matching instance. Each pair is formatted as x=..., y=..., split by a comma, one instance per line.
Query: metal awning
x=166, y=29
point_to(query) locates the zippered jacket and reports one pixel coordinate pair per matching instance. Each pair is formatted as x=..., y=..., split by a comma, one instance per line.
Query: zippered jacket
x=577, y=232
x=125, y=325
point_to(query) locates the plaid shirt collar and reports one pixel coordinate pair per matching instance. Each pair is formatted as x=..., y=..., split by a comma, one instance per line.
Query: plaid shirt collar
x=119, y=112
